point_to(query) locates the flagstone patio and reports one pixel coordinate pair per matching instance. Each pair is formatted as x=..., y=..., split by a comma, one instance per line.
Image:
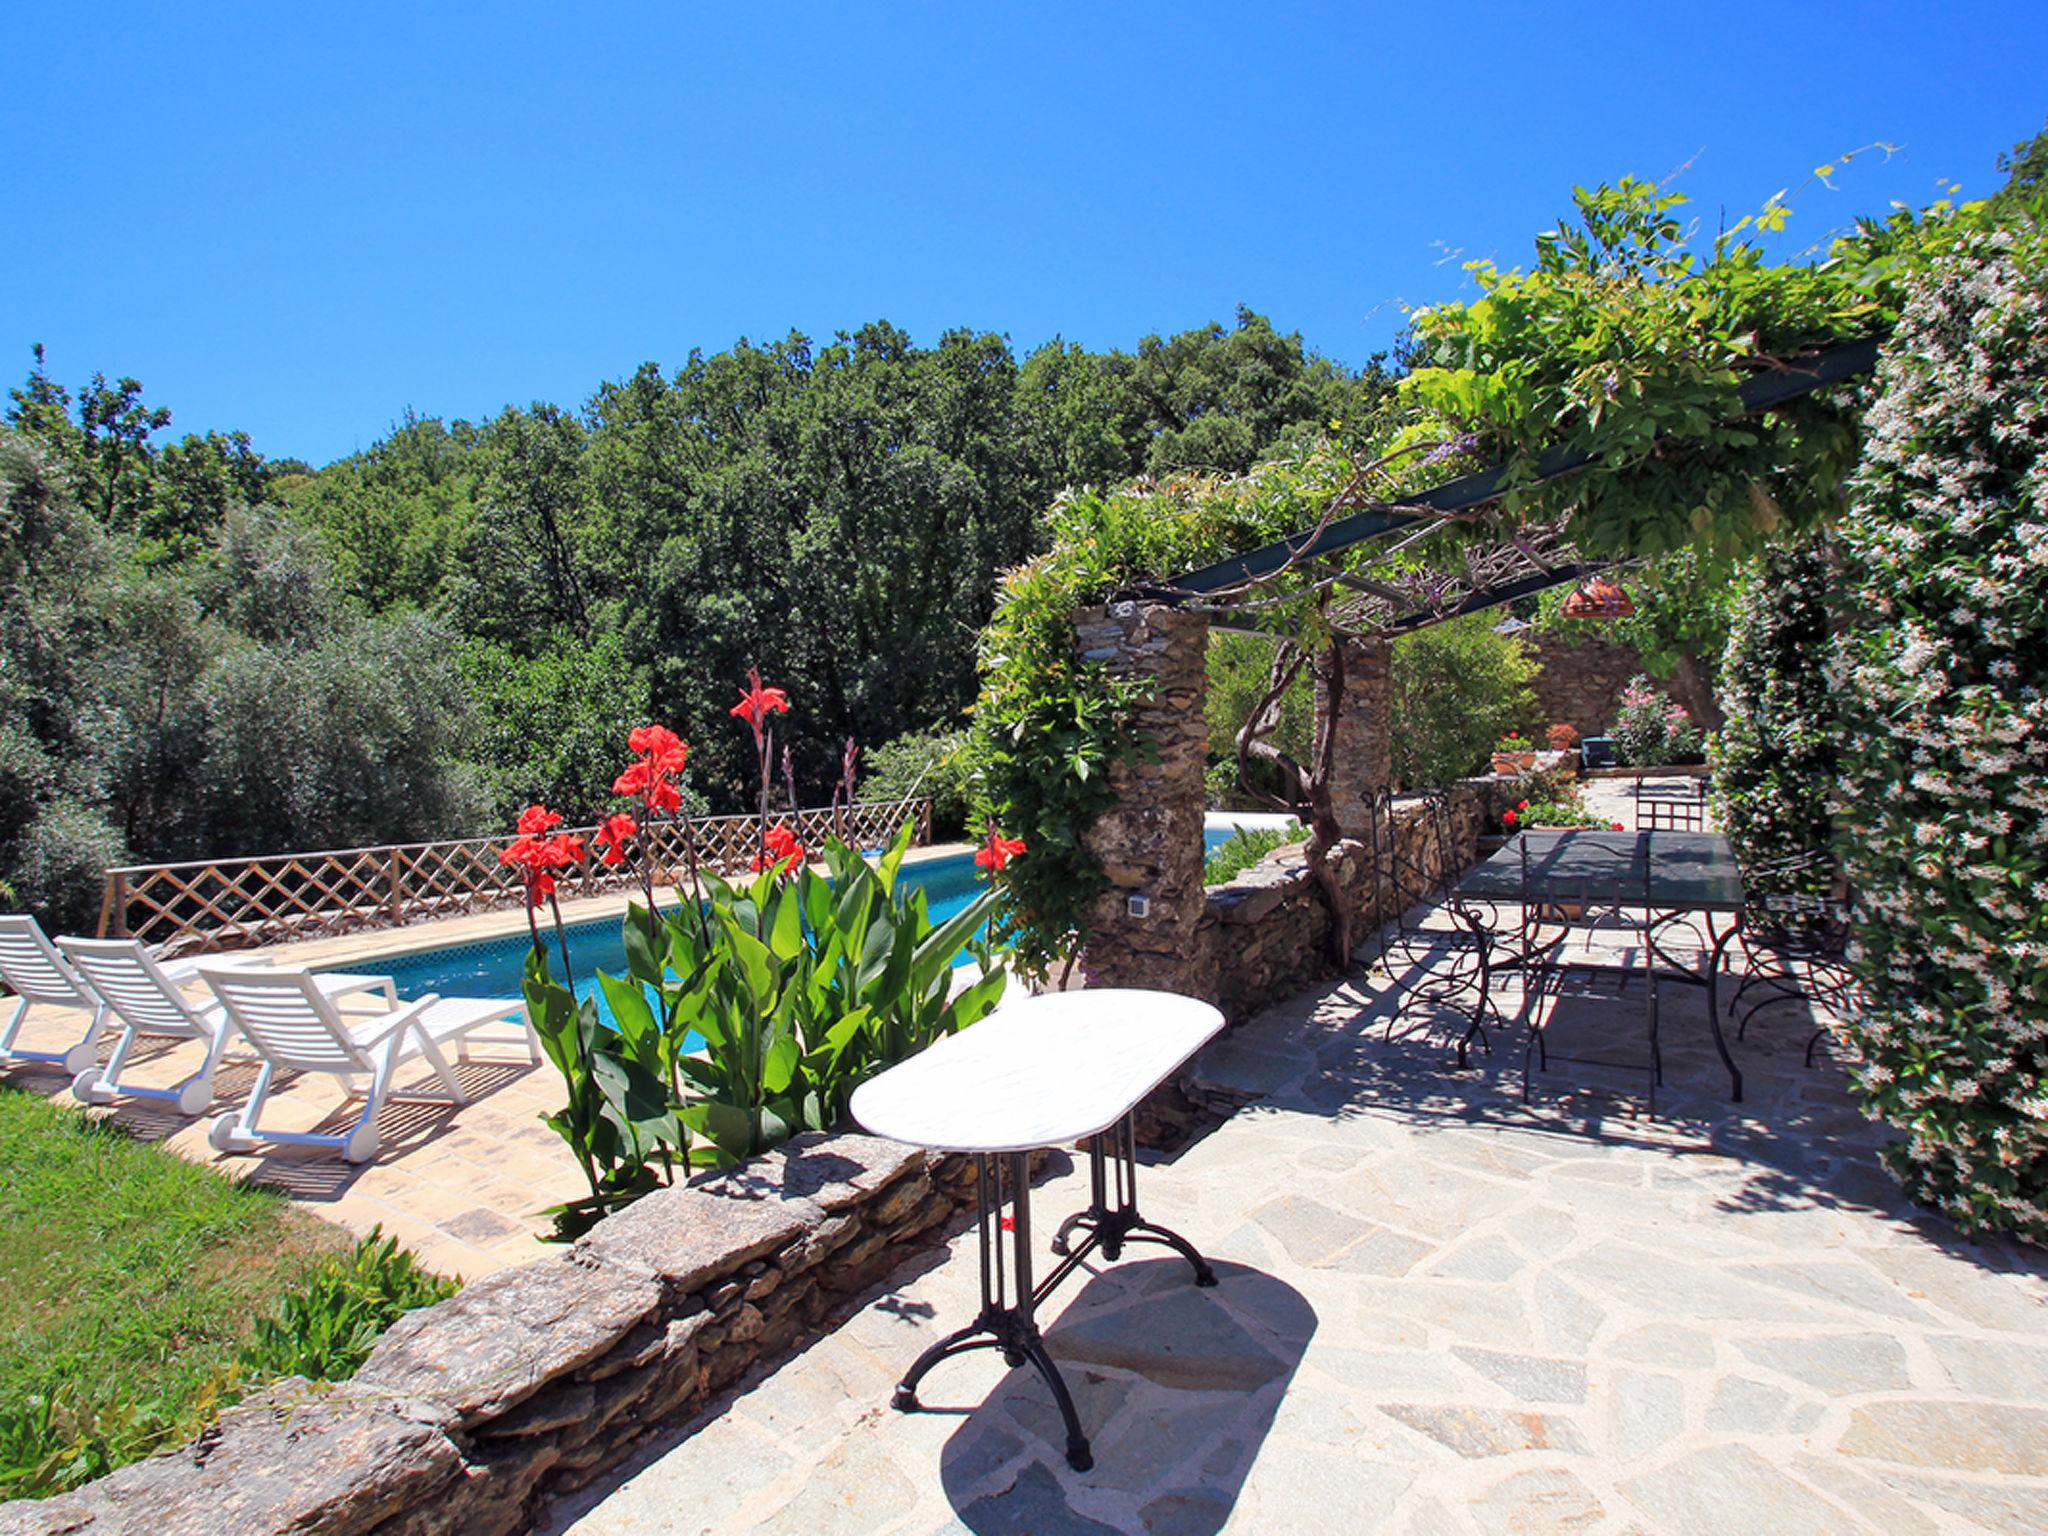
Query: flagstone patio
x=1442, y=1311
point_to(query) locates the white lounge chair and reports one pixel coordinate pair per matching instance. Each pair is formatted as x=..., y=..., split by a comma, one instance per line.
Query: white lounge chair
x=294, y=1027
x=36, y=973
x=143, y=993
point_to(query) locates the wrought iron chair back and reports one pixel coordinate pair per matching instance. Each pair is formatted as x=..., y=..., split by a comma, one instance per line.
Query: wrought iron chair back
x=1672, y=807
x=1422, y=868
x=1624, y=897
x=1796, y=940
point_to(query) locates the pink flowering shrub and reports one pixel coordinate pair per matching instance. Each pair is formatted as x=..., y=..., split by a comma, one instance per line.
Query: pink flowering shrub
x=1944, y=789
x=1651, y=730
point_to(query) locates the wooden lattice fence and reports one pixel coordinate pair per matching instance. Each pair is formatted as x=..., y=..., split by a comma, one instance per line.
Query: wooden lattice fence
x=213, y=904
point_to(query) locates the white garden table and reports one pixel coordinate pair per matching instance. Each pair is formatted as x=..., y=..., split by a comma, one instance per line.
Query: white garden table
x=1041, y=1072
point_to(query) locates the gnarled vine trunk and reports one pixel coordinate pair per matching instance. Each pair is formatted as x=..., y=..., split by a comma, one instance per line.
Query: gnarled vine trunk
x=1306, y=792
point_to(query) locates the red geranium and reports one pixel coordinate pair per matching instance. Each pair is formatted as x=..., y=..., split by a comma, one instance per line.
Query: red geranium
x=612, y=833
x=1619, y=827
x=997, y=851
x=758, y=703
x=782, y=852
x=1508, y=817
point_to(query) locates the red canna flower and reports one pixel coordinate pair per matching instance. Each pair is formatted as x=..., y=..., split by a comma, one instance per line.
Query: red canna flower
x=648, y=779
x=758, y=703
x=663, y=748
x=537, y=858
x=536, y=819
x=997, y=851
x=782, y=853
x=1507, y=818
x=612, y=833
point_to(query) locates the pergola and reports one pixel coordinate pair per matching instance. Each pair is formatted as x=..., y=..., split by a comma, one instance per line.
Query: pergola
x=1157, y=630
x=1529, y=561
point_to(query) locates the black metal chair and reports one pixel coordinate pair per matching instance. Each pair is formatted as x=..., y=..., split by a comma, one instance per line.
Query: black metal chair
x=1543, y=958
x=1672, y=807
x=1795, y=940
x=1404, y=865
x=1418, y=867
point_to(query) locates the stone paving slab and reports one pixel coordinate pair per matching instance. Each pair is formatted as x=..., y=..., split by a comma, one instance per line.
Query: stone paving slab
x=1442, y=1311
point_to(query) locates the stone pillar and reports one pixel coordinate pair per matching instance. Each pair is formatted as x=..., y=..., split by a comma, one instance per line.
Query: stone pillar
x=1364, y=758
x=1150, y=842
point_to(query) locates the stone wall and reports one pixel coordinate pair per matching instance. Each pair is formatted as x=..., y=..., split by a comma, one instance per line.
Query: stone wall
x=1266, y=935
x=1364, y=757
x=1268, y=930
x=1582, y=679
x=1581, y=683
x=1150, y=842
x=536, y=1380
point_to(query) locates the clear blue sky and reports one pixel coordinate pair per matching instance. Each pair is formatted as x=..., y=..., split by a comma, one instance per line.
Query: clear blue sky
x=300, y=223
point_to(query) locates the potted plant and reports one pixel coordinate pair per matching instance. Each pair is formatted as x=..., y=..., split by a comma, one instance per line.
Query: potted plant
x=1514, y=753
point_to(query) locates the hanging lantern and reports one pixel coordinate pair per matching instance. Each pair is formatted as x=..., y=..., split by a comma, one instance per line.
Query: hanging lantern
x=1598, y=599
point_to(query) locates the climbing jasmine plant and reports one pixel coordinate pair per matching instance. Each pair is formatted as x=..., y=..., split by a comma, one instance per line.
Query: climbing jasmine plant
x=1777, y=754
x=1944, y=790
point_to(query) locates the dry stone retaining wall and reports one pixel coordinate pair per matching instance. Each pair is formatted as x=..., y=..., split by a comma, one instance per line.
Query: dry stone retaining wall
x=1269, y=931
x=1266, y=935
x=536, y=1380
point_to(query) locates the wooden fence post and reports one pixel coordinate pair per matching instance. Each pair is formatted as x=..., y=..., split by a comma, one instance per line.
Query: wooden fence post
x=394, y=871
x=114, y=907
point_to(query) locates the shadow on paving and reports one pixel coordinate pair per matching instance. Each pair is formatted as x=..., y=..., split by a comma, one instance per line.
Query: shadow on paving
x=1801, y=1140
x=1176, y=1386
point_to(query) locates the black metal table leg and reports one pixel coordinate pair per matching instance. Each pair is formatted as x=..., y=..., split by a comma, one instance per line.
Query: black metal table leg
x=1714, y=1005
x=1004, y=1325
x=1112, y=1219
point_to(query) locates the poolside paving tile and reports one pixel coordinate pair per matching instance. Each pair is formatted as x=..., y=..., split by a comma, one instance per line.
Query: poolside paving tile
x=1733, y=1490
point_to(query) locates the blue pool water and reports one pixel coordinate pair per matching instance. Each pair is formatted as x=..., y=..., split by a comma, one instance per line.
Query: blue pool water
x=492, y=967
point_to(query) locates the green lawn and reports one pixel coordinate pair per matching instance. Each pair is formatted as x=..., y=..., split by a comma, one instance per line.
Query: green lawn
x=131, y=1286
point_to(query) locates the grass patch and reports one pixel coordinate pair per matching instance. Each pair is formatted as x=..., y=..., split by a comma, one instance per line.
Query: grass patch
x=1245, y=848
x=140, y=1293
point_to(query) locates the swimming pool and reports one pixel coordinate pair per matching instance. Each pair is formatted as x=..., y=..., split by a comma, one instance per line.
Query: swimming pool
x=493, y=967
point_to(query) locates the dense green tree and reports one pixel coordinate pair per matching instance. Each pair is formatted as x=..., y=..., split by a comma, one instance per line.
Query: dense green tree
x=552, y=727
x=170, y=497
x=517, y=577
x=1456, y=688
x=229, y=700
x=395, y=515
x=1215, y=399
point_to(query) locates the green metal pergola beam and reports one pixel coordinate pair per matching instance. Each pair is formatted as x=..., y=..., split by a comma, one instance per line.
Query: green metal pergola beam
x=1800, y=377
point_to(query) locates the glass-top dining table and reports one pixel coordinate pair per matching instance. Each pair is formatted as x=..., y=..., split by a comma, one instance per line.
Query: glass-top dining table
x=1649, y=883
